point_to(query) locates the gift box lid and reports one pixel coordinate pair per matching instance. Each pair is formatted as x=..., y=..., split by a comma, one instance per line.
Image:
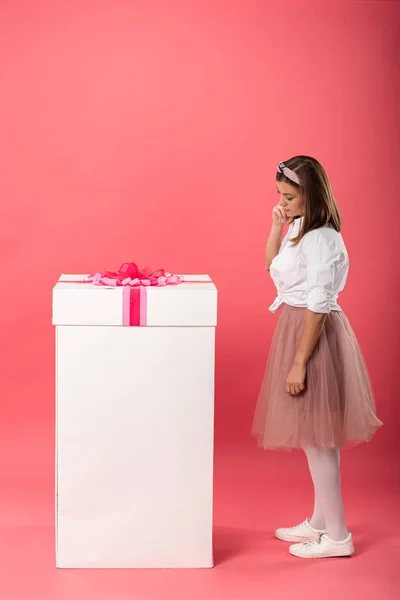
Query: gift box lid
x=190, y=303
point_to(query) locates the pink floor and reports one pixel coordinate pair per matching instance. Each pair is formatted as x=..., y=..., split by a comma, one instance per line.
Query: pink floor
x=255, y=491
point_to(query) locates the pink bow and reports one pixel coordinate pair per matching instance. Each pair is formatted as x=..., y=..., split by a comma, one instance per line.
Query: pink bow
x=130, y=274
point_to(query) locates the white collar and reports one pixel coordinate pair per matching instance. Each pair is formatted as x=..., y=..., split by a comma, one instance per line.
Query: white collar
x=297, y=223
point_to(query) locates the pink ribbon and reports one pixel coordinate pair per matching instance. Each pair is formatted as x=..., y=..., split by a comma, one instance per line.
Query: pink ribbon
x=130, y=274
x=134, y=306
x=134, y=309
x=134, y=281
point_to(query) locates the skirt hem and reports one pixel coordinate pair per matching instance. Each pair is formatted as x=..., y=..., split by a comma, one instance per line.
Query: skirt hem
x=351, y=443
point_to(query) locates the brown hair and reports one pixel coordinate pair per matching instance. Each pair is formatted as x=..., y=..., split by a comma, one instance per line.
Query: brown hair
x=320, y=205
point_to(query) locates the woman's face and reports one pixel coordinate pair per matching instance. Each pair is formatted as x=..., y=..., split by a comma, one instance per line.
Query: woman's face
x=290, y=199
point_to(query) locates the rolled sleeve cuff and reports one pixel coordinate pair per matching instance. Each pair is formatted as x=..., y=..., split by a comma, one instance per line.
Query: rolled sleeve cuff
x=319, y=301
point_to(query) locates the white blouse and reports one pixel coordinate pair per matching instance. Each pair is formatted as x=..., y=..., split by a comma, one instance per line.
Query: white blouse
x=311, y=274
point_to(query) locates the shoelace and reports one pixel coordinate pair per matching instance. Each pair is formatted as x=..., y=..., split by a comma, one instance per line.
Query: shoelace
x=314, y=541
x=301, y=524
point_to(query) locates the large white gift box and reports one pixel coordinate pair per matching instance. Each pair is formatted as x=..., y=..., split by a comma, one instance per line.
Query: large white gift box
x=134, y=423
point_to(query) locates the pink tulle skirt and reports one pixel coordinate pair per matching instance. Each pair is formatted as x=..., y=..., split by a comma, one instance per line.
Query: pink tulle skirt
x=336, y=409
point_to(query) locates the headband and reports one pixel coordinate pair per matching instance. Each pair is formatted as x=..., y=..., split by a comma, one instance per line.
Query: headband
x=288, y=173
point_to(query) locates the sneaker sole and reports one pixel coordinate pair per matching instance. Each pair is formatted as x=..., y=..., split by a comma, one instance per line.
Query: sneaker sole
x=293, y=539
x=348, y=555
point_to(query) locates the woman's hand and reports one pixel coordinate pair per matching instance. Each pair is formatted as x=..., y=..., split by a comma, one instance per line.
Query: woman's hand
x=295, y=382
x=279, y=216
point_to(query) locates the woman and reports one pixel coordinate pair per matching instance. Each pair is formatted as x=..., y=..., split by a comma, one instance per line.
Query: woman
x=316, y=394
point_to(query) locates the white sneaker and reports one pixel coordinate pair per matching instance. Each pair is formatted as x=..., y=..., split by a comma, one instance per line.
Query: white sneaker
x=323, y=547
x=299, y=533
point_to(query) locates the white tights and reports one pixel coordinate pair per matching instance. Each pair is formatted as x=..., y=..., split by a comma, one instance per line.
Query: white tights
x=328, y=513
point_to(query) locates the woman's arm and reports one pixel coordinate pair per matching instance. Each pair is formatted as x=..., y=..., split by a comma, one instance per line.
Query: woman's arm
x=273, y=244
x=313, y=324
x=323, y=258
x=275, y=237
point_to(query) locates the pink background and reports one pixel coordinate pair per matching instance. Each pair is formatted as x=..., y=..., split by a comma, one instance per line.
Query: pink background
x=150, y=131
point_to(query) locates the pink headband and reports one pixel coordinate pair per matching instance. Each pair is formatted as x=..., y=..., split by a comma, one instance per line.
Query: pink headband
x=282, y=168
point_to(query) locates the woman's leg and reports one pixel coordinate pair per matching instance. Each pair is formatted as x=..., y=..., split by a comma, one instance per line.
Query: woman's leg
x=317, y=520
x=324, y=467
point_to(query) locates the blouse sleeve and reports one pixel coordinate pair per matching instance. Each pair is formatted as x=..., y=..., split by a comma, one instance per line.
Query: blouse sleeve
x=325, y=264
